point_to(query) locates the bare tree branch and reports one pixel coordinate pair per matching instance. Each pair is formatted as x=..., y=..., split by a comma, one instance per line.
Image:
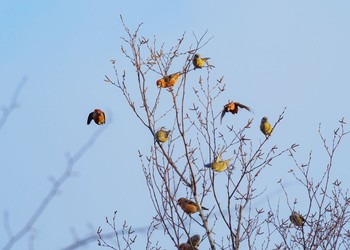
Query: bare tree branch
x=6, y=111
x=56, y=185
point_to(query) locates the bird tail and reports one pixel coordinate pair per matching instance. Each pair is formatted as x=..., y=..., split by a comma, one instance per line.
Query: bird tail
x=228, y=160
x=208, y=165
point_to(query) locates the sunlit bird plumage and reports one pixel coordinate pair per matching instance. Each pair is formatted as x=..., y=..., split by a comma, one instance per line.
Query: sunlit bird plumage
x=232, y=107
x=168, y=80
x=198, y=61
x=98, y=116
x=162, y=135
x=188, y=206
x=265, y=127
x=219, y=165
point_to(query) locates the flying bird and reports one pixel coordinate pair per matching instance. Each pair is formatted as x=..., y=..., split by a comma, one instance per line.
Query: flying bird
x=232, y=107
x=188, y=206
x=265, y=127
x=161, y=135
x=198, y=61
x=297, y=219
x=194, y=240
x=168, y=80
x=98, y=116
x=219, y=165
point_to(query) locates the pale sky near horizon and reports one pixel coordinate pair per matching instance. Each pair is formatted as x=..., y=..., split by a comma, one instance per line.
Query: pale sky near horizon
x=272, y=54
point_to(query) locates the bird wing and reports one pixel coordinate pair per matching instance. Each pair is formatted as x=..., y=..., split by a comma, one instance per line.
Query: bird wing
x=222, y=115
x=189, y=202
x=172, y=75
x=90, y=117
x=219, y=157
x=167, y=78
x=228, y=160
x=242, y=106
x=104, y=117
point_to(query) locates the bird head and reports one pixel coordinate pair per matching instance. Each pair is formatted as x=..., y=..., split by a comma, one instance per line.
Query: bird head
x=264, y=119
x=197, y=56
x=98, y=111
x=181, y=200
x=160, y=83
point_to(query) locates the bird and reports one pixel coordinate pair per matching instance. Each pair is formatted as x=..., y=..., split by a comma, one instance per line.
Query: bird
x=186, y=246
x=194, y=240
x=188, y=206
x=219, y=165
x=297, y=219
x=233, y=108
x=98, y=116
x=265, y=127
x=161, y=135
x=168, y=80
x=198, y=61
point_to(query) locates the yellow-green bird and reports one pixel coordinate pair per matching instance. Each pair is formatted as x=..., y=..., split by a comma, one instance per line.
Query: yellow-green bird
x=219, y=165
x=161, y=135
x=265, y=127
x=297, y=219
x=198, y=61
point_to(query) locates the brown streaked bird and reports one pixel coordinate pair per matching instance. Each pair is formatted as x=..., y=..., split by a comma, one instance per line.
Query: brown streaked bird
x=297, y=219
x=188, y=206
x=98, y=116
x=232, y=107
x=186, y=246
x=194, y=240
x=168, y=80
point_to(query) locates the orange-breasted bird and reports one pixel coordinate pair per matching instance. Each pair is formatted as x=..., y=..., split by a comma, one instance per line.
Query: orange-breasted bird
x=297, y=219
x=232, y=107
x=168, y=80
x=198, y=61
x=194, y=240
x=186, y=246
x=98, y=116
x=188, y=206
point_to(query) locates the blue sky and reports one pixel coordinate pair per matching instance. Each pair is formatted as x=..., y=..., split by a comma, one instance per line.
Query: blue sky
x=272, y=54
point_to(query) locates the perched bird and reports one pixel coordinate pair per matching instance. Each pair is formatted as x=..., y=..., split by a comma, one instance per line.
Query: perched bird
x=265, y=127
x=194, y=240
x=219, y=165
x=297, y=219
x=186, y=246
x=161, y=135
x=168, y=81
x=189, y=206
x=98, y=116
x=198, y=61
x=233, y=108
